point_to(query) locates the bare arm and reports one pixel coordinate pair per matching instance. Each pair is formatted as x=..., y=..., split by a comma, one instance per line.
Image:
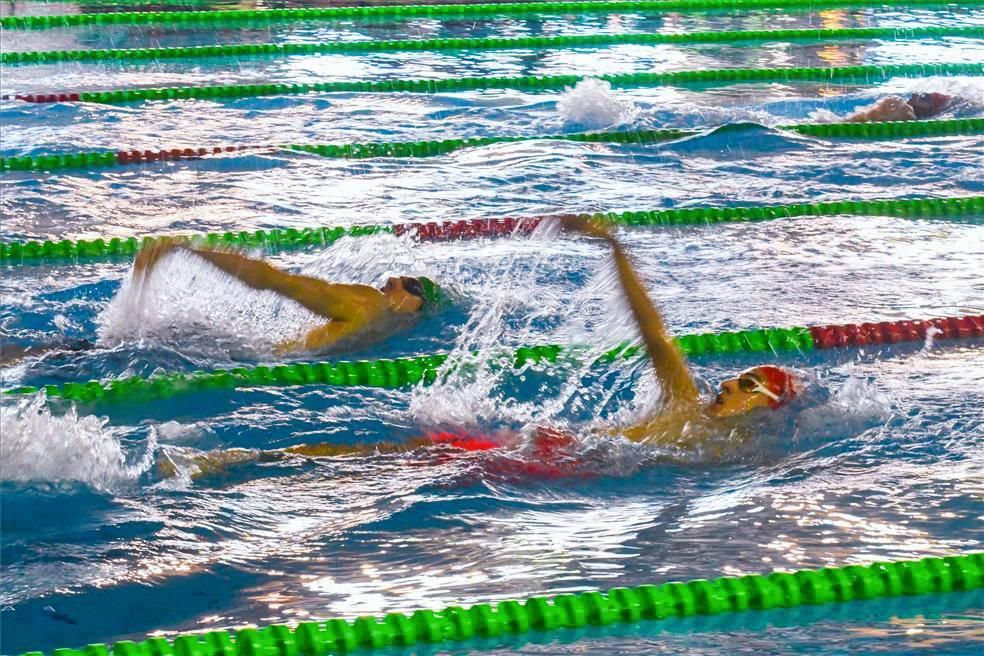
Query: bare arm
x=668, y=363
x=354, y=303
x=891, y=108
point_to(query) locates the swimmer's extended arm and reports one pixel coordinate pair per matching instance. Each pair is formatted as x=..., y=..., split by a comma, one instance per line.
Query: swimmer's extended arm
x=891, y=108
x=670, y=367
x=216, y=462
x=354, y=303
x=351, y=303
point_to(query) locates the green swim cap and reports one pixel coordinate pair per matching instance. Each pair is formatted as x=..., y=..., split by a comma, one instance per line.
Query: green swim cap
x=433, y=297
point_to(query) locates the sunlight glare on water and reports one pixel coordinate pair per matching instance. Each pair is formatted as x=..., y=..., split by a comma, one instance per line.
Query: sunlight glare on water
x=113, y=527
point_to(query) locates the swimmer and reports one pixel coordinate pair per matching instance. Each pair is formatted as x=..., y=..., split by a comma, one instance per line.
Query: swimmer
x=683, y=418
x=356, y=315
x=919, y=106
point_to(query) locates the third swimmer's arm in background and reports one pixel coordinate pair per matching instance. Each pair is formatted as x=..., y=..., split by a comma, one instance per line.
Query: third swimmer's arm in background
x=920, y=105
x=217, y=462
x=891, y=108
x=668, y=363
x=350, y=307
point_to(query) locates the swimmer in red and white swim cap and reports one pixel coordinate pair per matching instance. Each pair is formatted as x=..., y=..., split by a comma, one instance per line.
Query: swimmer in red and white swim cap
x=765, y=386
x=683, y=412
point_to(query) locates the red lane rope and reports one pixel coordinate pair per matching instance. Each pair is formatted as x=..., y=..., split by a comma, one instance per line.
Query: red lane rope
x=45, y=97
x=173, y=154
x=449, y=230
x=892, y=332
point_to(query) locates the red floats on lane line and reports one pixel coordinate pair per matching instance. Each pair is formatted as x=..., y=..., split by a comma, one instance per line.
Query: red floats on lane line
x=468, y=228
x=136, y=156
x=890, y=332
x=47, y=98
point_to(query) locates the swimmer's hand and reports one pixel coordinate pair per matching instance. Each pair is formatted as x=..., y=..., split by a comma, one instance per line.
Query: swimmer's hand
x=150, y=255
x=584, y=225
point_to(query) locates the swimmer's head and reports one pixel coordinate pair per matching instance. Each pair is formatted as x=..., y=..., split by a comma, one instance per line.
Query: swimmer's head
x=927, y=105
x=758, y=387
x=407, y=294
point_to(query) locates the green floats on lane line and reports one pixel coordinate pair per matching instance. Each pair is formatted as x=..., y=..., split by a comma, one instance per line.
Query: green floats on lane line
x=492, y=43
x=279, y=240
x=729, y=594
x=274, y=240
x=535, y=83
x=396, y=372
x=431, y=11
x=414, y=149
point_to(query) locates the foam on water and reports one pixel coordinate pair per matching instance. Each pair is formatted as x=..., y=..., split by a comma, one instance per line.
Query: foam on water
x=967, y=94
x=967, y=89
x=186, y=300
x=478, y=391
x=39, y=446
x=189, y=301
x=592, y=104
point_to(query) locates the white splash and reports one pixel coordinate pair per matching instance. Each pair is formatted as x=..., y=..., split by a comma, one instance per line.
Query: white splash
x=824, y=115
x=715, y=115
x=850, y=410
x=38, y=446
x=967, y=94
x=967, y=90
x=592, y=104
x=470, y=392
x=188, y=301
x=931, y=334
x=175, y=432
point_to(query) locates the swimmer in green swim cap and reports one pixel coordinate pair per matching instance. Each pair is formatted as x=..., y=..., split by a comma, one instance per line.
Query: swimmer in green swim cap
x=356, y=314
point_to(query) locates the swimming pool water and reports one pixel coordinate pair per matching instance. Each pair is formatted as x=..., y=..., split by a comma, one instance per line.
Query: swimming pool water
x=883, y=463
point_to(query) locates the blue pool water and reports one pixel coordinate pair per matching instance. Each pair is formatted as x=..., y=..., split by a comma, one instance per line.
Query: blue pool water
x=882, y=462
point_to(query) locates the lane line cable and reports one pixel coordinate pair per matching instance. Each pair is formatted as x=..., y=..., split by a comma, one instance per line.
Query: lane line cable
x=92, y=160
x=279, y=240
x=489, y=43
x=531, y=83
x=436, y=11
x=401, y=372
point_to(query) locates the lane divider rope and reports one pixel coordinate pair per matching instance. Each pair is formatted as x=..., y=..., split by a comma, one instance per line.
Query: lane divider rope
x=91, y=160
x=123, y=3
x=728, y=594
x=493, y=43
x=522, y=83
x=278, y=240
x=399, y=372
x=431, y=11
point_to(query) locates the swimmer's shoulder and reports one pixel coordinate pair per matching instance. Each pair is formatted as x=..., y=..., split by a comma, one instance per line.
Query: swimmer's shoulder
x=673, y=424
x=336, y=337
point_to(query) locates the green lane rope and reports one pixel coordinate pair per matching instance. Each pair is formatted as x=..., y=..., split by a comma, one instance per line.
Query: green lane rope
x=409, y=149
x=433, y=11
x=399, y=372
x=289, y=239
x=208, y=4
x=526, y=83
x=274, y=240
x=592, y=40
x=728, y=594
x=392, y=373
